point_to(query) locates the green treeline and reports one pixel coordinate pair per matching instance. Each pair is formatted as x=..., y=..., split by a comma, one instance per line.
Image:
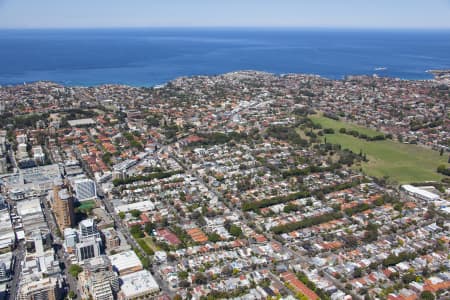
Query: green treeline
x=255, y=205
x=287, y=134
x=21, y=121
x=217, y=138
x=443, y=170
x=357, y=134
x=308, y=222
x=309, y=170
x=357, y=209
x=393, y=259
x=159, y=175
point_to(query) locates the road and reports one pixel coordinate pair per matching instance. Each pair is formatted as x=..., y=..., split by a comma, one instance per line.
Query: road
x=19, y=255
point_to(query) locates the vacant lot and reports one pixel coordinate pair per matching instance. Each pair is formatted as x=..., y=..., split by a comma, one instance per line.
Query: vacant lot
x=402, y=163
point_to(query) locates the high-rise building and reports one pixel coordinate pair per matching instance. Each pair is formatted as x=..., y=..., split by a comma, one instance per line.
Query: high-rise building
x=85, y=189
x=38, y=154
x=22, y=151
x=88, y=229
x=63, y=208
x=88, y=248
x=98, y=279
x=45, y=288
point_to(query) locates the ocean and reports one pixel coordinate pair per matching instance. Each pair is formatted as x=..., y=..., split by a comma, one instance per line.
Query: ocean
x=148, y=57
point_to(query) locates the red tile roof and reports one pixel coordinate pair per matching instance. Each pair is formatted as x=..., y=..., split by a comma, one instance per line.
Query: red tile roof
x=299, y=286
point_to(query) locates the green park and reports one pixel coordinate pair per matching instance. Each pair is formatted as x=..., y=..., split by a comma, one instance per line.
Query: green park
x=400, y=162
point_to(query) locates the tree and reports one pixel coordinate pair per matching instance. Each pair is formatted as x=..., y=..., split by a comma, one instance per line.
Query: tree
x=427, y=295
x=200, y=278
x=184, y=284
x=443, y=170
x=235, y=230
x=371, y=233
x=408, y=278
x=121, y=215
x=74, y=270
x=106, y=158
x=72, y=295
x=214, y=237
x=145, y=262
x=183, y=275
x=149, y=227
x=136, y=213
x=136, y=231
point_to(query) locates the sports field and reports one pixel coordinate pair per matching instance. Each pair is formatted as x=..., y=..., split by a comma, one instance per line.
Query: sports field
x=402, y=163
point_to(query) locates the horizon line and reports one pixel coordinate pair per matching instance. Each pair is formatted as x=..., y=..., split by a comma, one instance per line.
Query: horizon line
x=255, y=27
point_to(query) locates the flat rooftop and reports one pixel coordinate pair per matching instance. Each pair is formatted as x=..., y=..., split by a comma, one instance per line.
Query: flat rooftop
x=81, y=122
x=138, y=283
x=125, y=260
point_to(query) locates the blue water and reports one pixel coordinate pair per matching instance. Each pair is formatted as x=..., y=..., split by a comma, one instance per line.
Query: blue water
x=146, y=57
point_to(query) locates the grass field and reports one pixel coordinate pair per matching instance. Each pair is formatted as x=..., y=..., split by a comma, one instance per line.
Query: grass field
x=149, y=242
x=86, y=206
x=402, y=163
x=336, y=125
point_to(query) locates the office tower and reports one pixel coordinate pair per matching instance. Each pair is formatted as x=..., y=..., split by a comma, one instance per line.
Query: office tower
x=88, y=229
x=88, y=248
x=63, y=208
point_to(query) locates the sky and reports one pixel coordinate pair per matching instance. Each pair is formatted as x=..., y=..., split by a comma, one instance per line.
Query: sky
x=421, y=14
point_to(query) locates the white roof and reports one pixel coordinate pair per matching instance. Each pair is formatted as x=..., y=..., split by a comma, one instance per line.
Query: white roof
x=87, y=223
x=20, y=235
x=27, y=207
x=142, y=206
x=421, y=192
x=138, y=283
x=125, y=260
x=81, y=122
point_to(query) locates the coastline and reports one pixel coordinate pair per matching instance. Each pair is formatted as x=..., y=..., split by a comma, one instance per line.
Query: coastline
x=432, y=75
x=149, y=57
